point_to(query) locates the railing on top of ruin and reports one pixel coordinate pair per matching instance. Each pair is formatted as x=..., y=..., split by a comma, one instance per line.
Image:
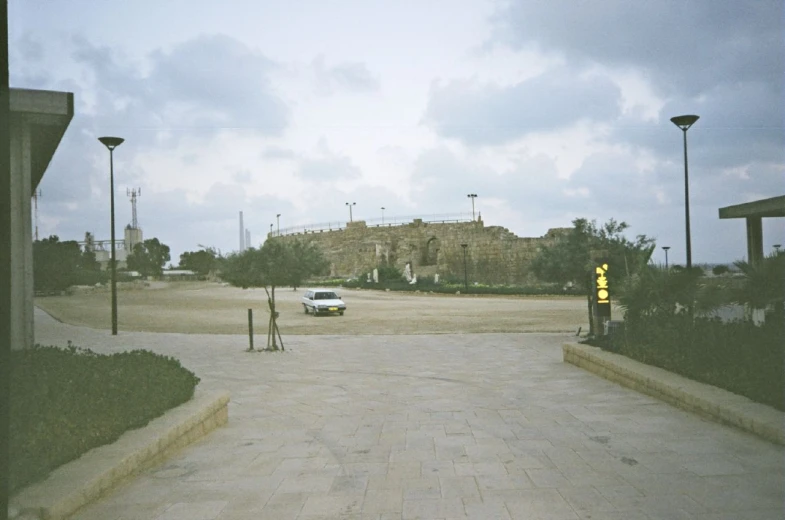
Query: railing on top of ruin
x=445, y=218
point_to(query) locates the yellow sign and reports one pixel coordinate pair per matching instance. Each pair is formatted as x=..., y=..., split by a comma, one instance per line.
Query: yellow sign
x=602, y=291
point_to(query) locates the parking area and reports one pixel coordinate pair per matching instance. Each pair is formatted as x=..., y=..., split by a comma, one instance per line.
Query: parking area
x=433, y=426
x=212, y=308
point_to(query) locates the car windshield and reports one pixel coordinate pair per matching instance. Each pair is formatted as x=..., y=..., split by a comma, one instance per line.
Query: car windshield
x=326, y=296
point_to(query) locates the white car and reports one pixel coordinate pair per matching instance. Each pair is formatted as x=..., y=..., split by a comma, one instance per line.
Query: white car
x=322, y=301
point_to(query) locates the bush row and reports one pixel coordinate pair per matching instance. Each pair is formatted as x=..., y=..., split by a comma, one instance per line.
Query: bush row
x=426, y=284
x=66, y=401
x=738, y=356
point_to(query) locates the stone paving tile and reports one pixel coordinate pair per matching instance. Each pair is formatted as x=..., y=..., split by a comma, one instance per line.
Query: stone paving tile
x=461, y=426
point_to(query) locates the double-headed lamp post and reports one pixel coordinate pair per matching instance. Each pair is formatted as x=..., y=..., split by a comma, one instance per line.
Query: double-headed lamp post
x=665, y=248
x=465, y=278
x=350, y=210
x=472, y=196
x=111, y=143
x=684, y=123
x=278, y=224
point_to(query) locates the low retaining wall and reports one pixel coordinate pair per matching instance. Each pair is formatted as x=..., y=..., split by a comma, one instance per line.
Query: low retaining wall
x=706, y=400
x=81, y=481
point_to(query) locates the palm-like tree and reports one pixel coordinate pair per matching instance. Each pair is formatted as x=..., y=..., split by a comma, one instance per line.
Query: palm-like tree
x=764, y=285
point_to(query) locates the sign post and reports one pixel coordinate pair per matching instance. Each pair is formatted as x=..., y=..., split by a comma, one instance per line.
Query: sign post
x=602, y=297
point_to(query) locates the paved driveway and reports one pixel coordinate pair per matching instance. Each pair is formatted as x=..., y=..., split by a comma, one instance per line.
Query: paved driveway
x=434, y=427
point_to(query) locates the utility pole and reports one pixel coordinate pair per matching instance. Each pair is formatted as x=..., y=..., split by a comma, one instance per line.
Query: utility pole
x=472, y=196
x=465, y=278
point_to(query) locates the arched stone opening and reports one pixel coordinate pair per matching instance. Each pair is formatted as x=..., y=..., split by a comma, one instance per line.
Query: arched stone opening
x=431, y=252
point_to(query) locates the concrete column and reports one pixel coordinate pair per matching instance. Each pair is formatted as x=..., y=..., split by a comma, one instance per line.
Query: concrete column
x=21, y=237
x=754, y=240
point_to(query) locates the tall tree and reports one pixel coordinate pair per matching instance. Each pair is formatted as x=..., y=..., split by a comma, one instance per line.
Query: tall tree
x=149, y=257
x=55, y=263
x=200, y=262
x=569, y=258
x=276, y=264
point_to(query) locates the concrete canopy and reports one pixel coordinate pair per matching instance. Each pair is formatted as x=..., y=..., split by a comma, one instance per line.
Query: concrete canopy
x=773, y=207
x=753, y=212
x=47, y=113
x=39, y=119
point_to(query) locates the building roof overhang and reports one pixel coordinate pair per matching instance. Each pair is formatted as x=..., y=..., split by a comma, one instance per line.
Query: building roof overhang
x=48, y=113
x=773, y=207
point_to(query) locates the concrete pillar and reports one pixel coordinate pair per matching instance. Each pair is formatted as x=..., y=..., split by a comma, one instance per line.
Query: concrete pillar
x=21, y=237
x=754, y=240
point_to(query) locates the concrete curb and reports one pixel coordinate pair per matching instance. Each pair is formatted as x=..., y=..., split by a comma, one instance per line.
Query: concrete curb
x=81, y=481
x=705, y=400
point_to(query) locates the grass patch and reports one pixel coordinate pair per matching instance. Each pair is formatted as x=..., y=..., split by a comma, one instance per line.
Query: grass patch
x=66, y=401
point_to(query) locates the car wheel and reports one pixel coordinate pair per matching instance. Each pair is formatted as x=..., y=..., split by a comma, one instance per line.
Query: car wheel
x=341, y=313
x=314, y=312
x=305, y=308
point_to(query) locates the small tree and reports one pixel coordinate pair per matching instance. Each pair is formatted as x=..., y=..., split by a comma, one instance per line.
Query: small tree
x=149, y=257
x=308, y=260
x=764, y=285
x=276, y=264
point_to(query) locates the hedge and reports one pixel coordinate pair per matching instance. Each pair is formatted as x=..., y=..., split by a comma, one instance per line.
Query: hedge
x=66, y=401
x=738, y=356
x=452, y=287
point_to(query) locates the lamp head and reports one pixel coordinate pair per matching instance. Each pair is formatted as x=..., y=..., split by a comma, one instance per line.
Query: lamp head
x=684, y=122
x=464, y=246
x=666, y=247
x=111, y=142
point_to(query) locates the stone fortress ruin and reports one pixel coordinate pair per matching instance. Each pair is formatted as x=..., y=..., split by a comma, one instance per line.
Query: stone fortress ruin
x=493, y=254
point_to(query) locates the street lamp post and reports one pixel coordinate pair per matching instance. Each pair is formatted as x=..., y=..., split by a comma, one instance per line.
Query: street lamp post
x=271, y=229
x=278, y=223
x=684, y=123
x=665, y=248
x=465, y=278
x=777, y=248
x=350, y=210
x=111, y=143
x=472, y=196
x=382, y=215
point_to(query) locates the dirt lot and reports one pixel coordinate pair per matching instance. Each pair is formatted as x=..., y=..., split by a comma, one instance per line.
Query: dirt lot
x=211, y=308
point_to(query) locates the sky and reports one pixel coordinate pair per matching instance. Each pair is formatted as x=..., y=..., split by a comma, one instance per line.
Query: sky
x=548, y=110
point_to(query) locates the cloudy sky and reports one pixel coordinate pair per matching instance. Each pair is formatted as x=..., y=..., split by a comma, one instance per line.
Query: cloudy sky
x=548, y=110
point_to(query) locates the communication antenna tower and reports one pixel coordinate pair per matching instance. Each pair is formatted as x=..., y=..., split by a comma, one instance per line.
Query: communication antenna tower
x=36, y=194
x=134, y=193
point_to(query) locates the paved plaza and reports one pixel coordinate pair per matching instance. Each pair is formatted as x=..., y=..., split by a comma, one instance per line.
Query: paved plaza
x=443, y=426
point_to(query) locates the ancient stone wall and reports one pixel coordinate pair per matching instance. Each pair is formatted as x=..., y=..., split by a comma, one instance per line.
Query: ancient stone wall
x=493, y=254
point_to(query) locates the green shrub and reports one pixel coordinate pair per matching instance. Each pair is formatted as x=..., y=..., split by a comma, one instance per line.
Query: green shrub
x=389, y=273
x=66, y=401
x=426, y=284
x=665, y=326
x=738, y=356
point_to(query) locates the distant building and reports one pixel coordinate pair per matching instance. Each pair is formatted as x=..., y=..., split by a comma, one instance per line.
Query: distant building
x=103, y=248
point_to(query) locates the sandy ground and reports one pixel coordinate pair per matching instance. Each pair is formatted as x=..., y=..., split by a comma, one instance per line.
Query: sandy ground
x=212, y=308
